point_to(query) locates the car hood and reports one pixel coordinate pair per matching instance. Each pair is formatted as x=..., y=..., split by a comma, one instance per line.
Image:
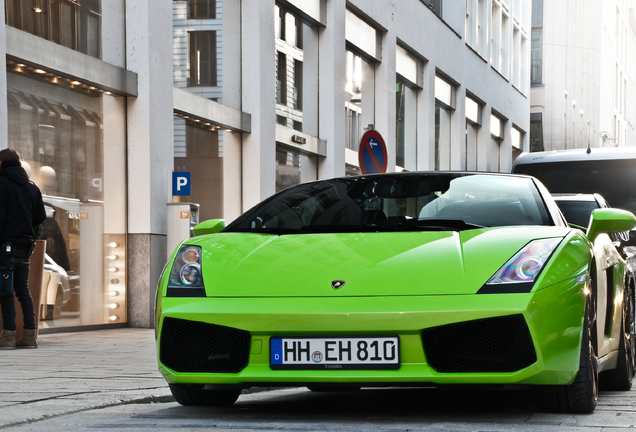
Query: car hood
x=370, y=264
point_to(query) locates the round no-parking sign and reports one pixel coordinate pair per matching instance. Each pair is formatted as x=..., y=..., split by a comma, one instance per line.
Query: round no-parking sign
x=372, y=156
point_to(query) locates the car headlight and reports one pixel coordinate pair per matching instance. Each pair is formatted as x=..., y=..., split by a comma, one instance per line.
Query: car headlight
x=520, y=272
x=186, y=275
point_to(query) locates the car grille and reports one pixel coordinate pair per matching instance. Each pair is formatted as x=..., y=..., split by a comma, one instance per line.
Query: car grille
x=501, y=344
x=192, y=346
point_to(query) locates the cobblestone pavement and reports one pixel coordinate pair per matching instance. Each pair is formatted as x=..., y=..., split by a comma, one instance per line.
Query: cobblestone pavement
x=72, y=372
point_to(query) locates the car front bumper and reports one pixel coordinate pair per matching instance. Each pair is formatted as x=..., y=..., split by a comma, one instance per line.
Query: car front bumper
x=554, y=318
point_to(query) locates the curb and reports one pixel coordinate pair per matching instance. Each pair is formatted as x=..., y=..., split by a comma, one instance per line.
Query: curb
x=135, y=400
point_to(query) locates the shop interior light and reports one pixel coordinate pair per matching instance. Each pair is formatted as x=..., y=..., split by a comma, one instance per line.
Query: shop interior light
x=112, y=257
x=113, y=305
x=112, y=269
x=113, y=317
x=114, y=281
x=114, y=293
x=113, y=244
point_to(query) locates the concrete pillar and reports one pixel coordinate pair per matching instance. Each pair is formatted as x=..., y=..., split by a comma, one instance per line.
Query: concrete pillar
x=332, y=122
x=385, y=98
x=232, y=91
x=426, y=121
x=258, y=99
x=150, y=151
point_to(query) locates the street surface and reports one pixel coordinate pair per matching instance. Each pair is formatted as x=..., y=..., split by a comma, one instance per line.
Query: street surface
x=108, y=380
x=374, y=410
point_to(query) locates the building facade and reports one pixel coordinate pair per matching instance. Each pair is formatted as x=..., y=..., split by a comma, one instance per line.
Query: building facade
x=445, y=83
x=105, y=99
x=583, y=74
x=89, y=108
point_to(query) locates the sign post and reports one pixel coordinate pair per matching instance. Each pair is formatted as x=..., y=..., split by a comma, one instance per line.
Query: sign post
x=181, y=183
x=372, y=156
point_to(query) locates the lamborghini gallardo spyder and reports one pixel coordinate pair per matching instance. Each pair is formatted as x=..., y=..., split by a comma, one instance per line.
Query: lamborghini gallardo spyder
x=403, y=279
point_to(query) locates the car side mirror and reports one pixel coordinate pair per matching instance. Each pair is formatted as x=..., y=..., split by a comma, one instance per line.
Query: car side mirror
x=609, y=220
x=210, y=226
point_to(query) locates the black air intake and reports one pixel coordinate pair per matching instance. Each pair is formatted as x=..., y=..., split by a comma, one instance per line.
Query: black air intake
x=192, y=346
x=501, y=344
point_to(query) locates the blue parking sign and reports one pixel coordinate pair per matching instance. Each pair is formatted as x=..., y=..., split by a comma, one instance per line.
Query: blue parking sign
x=181, y=183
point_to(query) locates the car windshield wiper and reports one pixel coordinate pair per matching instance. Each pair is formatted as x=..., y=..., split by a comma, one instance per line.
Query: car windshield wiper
x=437, y=224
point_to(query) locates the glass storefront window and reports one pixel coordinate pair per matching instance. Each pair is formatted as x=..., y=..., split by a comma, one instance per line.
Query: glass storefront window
x=73, y=24
x=72, y=144
x=287, y=168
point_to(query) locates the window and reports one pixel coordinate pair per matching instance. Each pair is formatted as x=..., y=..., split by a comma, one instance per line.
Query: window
x=408, y=70
x=475, y=24
x=497, y=137
x=287, y=168
x=200, y=141
x=500, y=38
x=201, y=9
x=354, y=103
x=74, y=149
x=517, y=142
x=536, y=132
x=406, y=126
x=443, y=110
x=504, y=44
x=298, y=85
x=473, y=124
x=202, y=59
x=495, y=35
x=281, y=78
x=536, y=43
x=354, y=125
x=288, y=28
x=75, y=25
x=361, y=34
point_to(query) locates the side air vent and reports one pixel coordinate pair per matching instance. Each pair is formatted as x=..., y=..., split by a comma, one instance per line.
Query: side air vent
x=192, y=346
x=501, y=344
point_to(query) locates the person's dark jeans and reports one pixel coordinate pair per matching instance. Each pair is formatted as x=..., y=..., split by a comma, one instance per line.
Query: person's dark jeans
x=20, y=264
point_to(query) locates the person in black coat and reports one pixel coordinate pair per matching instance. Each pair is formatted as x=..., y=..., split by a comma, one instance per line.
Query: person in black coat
x=21, y=210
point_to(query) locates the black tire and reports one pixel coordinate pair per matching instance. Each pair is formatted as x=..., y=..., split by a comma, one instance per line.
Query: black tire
x=582, y=395
x=56, y=312
x=621, y=377
x=195, y=395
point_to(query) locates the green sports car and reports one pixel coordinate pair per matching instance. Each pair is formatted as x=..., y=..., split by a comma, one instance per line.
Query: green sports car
x=409, y=279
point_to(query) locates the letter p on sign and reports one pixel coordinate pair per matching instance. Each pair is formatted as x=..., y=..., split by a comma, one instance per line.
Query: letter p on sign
x=181, y=183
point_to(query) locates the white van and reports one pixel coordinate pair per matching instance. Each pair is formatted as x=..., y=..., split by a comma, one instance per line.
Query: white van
x=610, y=172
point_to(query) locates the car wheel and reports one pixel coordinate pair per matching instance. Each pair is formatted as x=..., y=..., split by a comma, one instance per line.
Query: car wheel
x=55, y=311
x=582, y=395
x=621, y=377
x=195, y=395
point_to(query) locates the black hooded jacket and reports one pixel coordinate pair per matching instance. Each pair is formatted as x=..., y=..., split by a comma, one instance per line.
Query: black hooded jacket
x=21, y=206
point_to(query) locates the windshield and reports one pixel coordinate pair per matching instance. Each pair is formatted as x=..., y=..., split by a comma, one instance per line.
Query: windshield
x=577, y=212
x=615, y=180
x=407, y=201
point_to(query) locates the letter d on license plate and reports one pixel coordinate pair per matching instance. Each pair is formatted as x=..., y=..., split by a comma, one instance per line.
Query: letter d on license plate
x=335, y=353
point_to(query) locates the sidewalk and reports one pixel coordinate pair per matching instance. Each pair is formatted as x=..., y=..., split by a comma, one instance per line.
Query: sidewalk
x=72, y=372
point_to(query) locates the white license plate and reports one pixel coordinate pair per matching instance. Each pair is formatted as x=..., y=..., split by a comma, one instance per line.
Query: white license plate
x=335, y=353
